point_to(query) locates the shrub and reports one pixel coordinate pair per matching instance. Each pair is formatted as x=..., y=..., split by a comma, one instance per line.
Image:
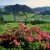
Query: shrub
x=24, y=37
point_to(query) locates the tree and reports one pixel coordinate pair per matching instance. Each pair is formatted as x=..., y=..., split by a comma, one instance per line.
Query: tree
x=10, y=9
x=15, y=9
x=1, y=17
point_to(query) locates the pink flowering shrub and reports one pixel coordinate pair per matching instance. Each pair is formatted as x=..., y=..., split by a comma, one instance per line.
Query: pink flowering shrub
x=24, y=35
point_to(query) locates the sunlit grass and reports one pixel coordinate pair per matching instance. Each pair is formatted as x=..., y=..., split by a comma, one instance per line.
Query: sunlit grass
x=45, y=26
x=4, y=27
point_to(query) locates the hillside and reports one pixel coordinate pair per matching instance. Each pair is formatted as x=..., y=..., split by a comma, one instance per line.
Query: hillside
x=20, y=11
x=42, y=10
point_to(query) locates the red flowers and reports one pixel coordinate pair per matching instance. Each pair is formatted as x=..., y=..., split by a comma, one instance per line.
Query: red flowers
x=30, y=39
x=48, y=37
x=16, y=42
x=25, y=33
x=5, y=37
x=39, y=38
x=36, y=29
x=48, y=45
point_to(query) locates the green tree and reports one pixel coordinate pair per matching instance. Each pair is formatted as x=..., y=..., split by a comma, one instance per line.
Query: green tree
x=1, y=17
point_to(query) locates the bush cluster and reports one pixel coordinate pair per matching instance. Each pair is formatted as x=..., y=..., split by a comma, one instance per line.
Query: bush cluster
x=26, y=38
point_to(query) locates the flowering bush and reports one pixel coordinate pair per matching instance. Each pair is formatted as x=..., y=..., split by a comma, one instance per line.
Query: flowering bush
x=28, y=38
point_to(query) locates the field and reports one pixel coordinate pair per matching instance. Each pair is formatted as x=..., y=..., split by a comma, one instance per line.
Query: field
x=30, y=17
x=5, y=27
x=20, y=17
x=12, y=25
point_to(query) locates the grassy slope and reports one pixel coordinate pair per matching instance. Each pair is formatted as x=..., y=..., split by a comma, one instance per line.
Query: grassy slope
x=3, y=28
x=44, y=27
x=7, y=26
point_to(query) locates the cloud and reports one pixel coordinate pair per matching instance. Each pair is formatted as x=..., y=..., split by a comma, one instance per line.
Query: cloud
x=38, y=3
x=30, y=3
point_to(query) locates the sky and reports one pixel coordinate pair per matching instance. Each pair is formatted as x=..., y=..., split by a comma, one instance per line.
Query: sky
x=30, y=3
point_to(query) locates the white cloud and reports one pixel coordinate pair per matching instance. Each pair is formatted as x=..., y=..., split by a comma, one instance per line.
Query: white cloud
x=38, y=3
x=30, y=3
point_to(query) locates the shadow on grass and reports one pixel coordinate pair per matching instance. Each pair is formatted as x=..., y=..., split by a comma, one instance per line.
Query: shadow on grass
x=38, y=22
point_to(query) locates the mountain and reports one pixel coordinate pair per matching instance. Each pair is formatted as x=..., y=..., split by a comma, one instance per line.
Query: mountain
x=25, y=8
x=42, y=10
x=18, y=8
x=2, y=6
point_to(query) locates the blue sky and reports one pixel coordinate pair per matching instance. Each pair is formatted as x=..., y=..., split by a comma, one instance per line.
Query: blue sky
x=30, y=3
x=12, y=2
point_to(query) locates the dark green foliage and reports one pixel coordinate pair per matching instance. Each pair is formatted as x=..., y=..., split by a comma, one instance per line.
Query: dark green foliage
x=37, y=22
